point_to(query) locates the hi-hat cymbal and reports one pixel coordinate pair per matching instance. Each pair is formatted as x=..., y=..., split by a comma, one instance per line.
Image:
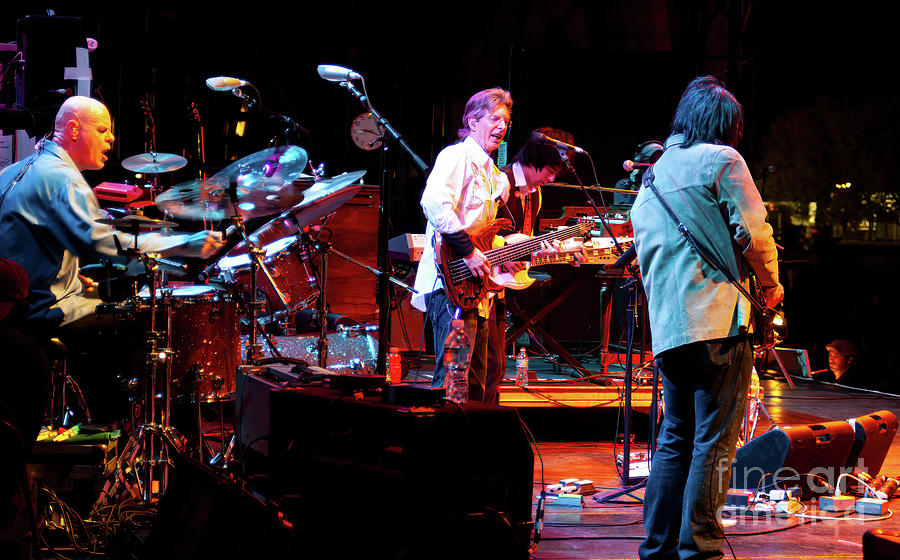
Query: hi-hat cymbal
x=154, y=163
x=136, y=220
x=265, y=183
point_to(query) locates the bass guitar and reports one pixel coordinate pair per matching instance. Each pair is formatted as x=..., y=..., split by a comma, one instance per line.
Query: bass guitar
x=465, y=290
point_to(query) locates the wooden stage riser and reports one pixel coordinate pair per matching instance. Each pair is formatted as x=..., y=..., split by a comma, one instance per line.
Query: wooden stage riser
x=539, y=394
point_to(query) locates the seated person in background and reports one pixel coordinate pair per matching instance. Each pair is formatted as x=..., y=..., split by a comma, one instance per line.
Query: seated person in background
x=647, y=152
x=841, y=369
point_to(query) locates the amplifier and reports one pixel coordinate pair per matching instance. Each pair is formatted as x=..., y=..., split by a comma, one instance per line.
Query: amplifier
x=407, y=247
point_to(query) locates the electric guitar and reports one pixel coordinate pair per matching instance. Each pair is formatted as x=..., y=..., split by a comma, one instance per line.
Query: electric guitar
x=465, y=290
x=768, y=324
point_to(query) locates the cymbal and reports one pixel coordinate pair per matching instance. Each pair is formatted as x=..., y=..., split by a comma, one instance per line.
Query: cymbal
x=136, y=220
x=153, y=163
x=209, y=200
x=319, y=200
x=272, y=166
x=266, y=183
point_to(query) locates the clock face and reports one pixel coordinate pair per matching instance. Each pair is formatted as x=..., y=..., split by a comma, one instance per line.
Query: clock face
x=366, y=133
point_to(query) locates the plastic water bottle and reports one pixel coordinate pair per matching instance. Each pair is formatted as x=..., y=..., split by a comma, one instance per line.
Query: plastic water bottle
x=394, y=372
x=456, y=363
x=522, y=368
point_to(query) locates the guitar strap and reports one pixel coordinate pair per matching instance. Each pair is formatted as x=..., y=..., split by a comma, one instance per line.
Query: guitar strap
x=686, y=233
x=527, y=229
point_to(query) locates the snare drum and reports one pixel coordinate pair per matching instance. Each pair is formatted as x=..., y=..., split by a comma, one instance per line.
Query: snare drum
x=204, y=333
x=289, y=272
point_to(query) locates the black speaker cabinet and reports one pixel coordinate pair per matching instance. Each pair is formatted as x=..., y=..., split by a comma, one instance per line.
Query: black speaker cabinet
x=203, y=514
x=878, y=544
x=811, y=455
x=361, y=478
x=48, y=44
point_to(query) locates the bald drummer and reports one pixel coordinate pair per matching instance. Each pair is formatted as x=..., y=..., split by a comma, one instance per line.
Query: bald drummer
x=48, y=216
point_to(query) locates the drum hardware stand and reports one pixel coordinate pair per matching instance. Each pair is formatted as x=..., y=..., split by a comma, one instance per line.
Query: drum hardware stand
x=257, y=263
x=148, y=447
x=254, y=350
x=60, y=381
x=384, y=294
x=325, y=248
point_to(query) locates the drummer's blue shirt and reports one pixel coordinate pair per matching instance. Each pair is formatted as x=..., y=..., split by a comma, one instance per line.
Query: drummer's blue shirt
x=48, y=224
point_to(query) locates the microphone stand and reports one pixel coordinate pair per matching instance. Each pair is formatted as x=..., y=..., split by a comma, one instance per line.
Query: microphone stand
x=325, y=248
x=291, y=126
x=630, y=312
x=384, y=293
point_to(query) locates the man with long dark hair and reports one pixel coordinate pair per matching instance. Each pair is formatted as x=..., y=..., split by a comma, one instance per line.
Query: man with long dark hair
x=698, y=319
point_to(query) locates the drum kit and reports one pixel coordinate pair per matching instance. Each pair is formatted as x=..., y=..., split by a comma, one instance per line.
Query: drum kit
x=194, y=331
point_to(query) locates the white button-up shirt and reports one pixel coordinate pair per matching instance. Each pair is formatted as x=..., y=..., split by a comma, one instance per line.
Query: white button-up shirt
x=462, y=192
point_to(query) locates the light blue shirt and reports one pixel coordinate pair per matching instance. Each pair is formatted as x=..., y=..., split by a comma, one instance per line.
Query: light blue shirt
x=710, y=189
x=48, y=224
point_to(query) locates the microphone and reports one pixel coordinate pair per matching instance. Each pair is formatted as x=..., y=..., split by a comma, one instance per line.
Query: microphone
x=628, y=165
x=211, y=270
x=334, y=73
x=559, y=143
x=224, y=83
x=626, y=258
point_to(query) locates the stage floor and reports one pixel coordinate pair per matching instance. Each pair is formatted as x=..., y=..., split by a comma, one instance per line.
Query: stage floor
x=614, y=530
x=575, y=423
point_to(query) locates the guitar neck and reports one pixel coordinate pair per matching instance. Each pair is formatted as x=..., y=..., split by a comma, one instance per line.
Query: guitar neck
x=522, y=250
x=519, y=251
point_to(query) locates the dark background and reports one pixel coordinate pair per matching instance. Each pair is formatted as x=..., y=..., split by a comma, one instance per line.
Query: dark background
x=609, y=72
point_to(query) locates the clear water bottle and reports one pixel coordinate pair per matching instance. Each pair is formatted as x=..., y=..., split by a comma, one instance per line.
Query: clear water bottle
x=456, y=363
x=522, y=368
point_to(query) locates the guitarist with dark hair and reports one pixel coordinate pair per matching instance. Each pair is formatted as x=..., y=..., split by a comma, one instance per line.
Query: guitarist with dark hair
x=699, y=223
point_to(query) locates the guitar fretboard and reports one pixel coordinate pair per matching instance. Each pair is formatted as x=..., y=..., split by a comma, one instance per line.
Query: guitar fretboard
x=515, y=251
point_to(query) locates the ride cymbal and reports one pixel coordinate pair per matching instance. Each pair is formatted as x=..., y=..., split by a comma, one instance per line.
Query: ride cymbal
x=154, y=163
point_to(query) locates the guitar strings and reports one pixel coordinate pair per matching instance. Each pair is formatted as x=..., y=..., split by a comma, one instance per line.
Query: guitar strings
x=460, y=271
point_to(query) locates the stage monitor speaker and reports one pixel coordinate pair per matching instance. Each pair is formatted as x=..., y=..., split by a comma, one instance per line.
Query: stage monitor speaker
x=365, y=478
x=793, y=452
x=874, y=434
x=205, y=515
x=878, y=544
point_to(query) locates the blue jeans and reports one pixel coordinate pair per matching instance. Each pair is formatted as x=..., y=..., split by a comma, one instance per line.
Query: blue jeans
x=705, y=388
x=440, y=312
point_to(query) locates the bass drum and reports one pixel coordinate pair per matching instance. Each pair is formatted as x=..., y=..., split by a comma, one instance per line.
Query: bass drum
x=203, y=328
